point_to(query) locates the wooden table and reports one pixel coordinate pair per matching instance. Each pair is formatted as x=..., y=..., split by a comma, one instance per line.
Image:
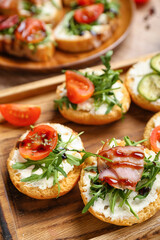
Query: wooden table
x=144, y=38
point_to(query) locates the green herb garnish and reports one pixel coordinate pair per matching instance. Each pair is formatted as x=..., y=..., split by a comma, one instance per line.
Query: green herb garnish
x=99, y=189
x=103, y=83
x=29, y=6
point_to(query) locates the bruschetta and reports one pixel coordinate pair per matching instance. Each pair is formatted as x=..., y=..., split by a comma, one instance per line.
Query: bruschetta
x=86, y=28
x=93, y=97
x=122, y=185
x=143, y=83
x=46, y=161
x=49, y=11
x=152, y=133
x=30, y=38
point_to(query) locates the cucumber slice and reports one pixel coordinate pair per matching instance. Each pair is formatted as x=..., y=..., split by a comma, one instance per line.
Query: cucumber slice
x=155, y=63
x=149, y=87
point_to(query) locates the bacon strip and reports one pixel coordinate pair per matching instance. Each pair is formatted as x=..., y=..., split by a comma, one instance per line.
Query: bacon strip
x=126, y=167
x=7, y=22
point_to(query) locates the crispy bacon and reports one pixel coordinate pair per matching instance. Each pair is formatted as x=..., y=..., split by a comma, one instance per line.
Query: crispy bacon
x=31, y=30
x=126, y=167
x=7, y=22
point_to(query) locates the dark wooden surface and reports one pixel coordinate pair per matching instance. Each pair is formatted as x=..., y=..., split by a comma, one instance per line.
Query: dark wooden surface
x=30, y=219
x=142, y=39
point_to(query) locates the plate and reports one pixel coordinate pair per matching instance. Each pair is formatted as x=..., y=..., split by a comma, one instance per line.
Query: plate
x=62, y=60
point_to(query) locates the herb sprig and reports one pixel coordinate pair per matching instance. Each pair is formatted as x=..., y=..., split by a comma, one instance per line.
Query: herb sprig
x=99, y=189
x=103, y=83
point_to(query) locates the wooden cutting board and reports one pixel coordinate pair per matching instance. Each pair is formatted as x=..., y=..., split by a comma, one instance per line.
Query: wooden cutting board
x=24, y=218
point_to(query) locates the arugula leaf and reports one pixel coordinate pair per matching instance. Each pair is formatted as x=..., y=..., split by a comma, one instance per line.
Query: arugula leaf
x=28, y=6
x=64, y=100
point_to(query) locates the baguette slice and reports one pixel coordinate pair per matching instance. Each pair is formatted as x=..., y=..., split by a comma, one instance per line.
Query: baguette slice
x=48, y=12
x=89, y=118
x=142, y=68
x=9, y=7
x=40, y=53
x=149, y=128
x=88, y=41
x=34, y=191
x=144, y=214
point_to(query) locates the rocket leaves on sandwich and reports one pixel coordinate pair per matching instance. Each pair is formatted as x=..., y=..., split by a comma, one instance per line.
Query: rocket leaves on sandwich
x=29, y=6
x=51, y=166
x=75, y=28
x=99, y=189
x=103, y=83
x=111, y=8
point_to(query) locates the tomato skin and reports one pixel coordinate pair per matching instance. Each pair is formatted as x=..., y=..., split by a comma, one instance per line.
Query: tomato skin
x=85, y=2
x=19, y=114
x=79, y=88
x=89, y=14
x=38, y=143
x=31, y=30
x=7, y=22
x=155, y=136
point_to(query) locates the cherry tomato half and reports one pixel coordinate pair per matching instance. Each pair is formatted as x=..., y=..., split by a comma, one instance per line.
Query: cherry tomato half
x=7, y=22
x=141, y=1
x=88, y=14
x=31, y=30
x=154, y=138
x=38, y=143
x=19, y=114
x=79, y=88
x=85, y=2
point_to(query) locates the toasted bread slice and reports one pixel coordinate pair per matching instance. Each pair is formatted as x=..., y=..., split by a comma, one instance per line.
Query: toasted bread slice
x=91, y=118
x=89, y=40
x=118, y=218
x=151, y=124
x=44, y=189
x=45, y=11
x=9, y=7
x=41, y=53
x=132, y=79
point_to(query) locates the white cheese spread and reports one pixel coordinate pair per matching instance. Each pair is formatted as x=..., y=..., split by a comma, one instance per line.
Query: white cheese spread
x=44, y=183
x=137, y=72
x=102, y=206
x=88, y=105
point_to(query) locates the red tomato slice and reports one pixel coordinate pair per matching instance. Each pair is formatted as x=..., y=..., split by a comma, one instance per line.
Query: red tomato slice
x=154, y=138
x=31, y=30
x=39, y=142
x=19, y=114
x=88, y=14
x=79, y=88
x=7, y=22
x=85, y=2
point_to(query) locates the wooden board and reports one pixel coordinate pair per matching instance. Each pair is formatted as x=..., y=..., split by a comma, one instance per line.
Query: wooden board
x=63, y=59
x=24, y=218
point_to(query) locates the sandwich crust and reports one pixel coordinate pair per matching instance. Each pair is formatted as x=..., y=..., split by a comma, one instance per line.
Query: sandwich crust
x=66, y=184
x=137, y=98
x=83, y=117
x=148, y=129
x=82, y=44
x=143, y=215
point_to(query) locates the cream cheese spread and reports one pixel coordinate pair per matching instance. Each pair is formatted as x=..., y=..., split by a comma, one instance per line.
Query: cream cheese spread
x=44, y=183
x=137, y=72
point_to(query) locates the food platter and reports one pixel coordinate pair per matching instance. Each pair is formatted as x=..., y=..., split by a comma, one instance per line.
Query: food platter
x=22, y=217
x=62, y=60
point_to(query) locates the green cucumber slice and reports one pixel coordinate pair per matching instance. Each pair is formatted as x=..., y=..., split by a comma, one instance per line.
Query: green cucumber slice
x=149, y=87
x=155, y=63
